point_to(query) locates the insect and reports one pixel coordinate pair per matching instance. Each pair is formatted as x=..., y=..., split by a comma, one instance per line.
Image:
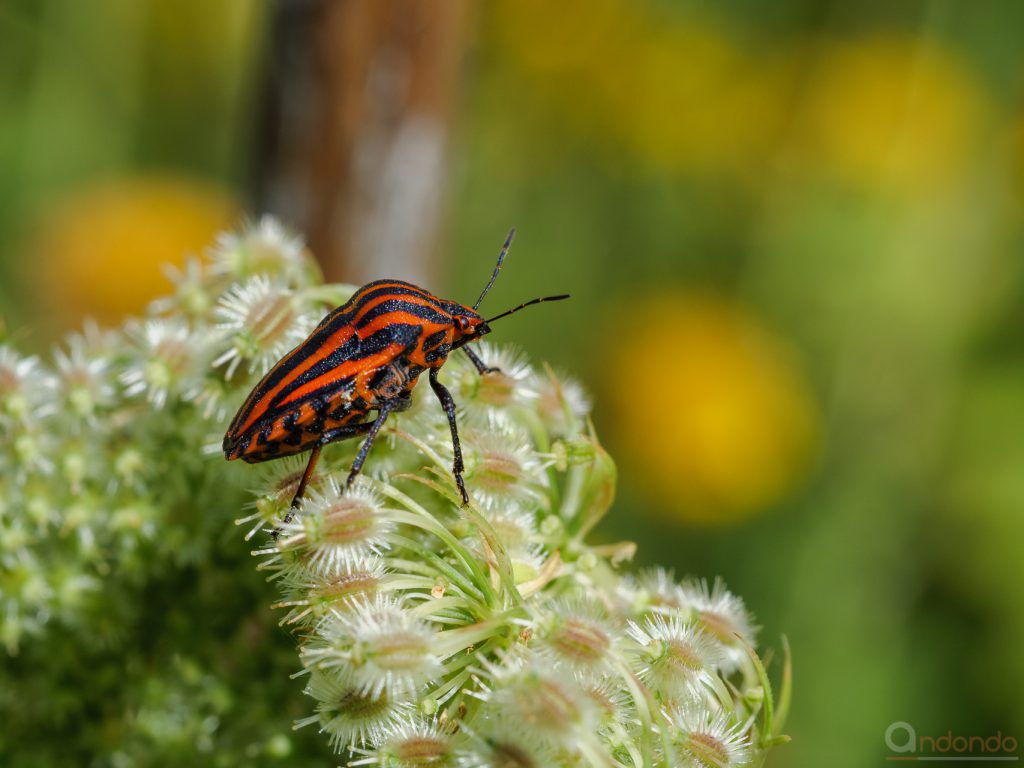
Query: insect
x=366, y=355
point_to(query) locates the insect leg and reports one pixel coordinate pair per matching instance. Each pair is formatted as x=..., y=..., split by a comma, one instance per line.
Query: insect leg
x=449, y=408
x=382, y=413
x=345, y=432
x=481, y=366
x=313, y=456
x=349, y=430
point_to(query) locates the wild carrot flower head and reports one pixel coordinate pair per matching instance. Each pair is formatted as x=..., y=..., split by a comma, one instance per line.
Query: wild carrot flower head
x=416, y=743
x=539, y=699
x=338, y=527
x=169, y=356
x=350, y=715
x=82, y=381
x=20, y=390
x=429, y=633
x=501, y=463
x=658, y=589
x=511, y=750
x=378, y=647
x=260, y=323
x=505, y=387
x=313, y=598
x=561, y=402
x=578, y=635
x=721, y=615
x=193, y=294
x=264, y=247
x=671, y=656
x=705, y=739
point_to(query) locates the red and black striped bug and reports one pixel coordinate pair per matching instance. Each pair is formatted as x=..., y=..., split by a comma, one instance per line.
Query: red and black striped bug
x=366, y=355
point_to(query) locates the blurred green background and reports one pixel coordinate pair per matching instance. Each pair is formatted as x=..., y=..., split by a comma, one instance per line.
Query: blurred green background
x=793, y=236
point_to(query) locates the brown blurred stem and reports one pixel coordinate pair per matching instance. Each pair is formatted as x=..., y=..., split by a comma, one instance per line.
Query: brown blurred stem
x=359, y=95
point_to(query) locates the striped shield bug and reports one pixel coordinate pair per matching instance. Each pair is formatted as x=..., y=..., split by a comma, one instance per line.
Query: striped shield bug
x=366, y=355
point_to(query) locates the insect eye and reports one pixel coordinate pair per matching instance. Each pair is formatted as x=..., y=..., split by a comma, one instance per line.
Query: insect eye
x=463, y=322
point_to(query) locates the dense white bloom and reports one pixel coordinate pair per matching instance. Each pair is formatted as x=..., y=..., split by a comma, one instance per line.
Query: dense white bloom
x=541, y=701
x=614, y=704
x=515, y=529
x=410, y=744
x=492, y=634
x=378, y=647
x=502, y=466
x=192, y=290
x=259, y=322
x=83, y=382
x=577, y=633
x=673, y=656
x=30, y=450
x=506, y=386
x=511, y=749
x=723, y=616
x=349, y=715
x=562, y=403
x=23, y=385
x=337, y=527
x=703, y=739
x=212, y=395
x=260, y=248
x=169, y=356
x=660, y=590
x=312, y=598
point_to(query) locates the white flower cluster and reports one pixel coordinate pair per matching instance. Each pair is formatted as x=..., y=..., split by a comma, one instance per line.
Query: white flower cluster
x=100, y=450
x=429, y=633
x=495, y=634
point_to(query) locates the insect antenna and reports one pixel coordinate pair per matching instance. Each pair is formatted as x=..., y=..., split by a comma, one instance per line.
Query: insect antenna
x=525, y=304
x=497, y=268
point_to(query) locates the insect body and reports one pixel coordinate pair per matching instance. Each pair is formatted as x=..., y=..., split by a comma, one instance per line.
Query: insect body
x=366, y=355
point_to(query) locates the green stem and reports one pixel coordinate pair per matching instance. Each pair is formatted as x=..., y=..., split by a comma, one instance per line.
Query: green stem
x=453, y=575
x=479, y=577
x=428, y=607
x=455, y=640
x=569, y=510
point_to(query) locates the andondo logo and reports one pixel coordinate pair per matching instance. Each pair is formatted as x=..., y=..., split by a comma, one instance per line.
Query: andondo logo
x=906, y=744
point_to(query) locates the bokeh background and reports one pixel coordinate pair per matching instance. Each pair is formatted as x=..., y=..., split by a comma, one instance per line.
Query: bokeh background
x=792, y=232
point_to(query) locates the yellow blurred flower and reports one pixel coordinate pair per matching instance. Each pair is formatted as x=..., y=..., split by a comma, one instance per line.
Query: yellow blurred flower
x=676, y=91
x=709, y=408
x=682, y=93
x=699, y=103
x=103, y=249
x=890, y=110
